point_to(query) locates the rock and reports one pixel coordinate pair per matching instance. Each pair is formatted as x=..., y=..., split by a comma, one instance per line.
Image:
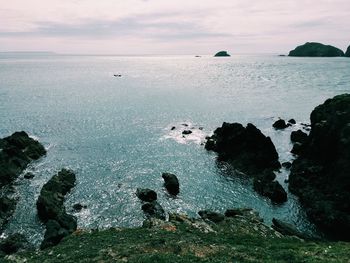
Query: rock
x=222, y=54
x=269, y=188
x=14, y=243
x=246, y=148
x=320, y=176
x=146, y=195
x=298, y=136
x=292, y=121
x=173, y=128
x=79, y=207
x=51, y=210
x=280, y=124
x=212, y=216
x=312, y=49
x=153, y=210
x=7, y=207
x=245, y=212
x=287, y=165
x=347, y=53
x=171, y=183
x=297, y=148
x=28, y=176
x=286, y=229
x=186, y=132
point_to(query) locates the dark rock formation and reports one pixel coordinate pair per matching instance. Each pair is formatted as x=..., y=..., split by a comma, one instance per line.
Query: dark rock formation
x=222, y=54
x=320, y=176
x=312, y=49
x=7, y=207
x=171, y=183
x=51, y=210
x=265, y=185
x=244, y=212
x=246, y=148
x=297, y=148
x=212, y=216
x=298, y=136
x=14, y=243
x=286, y=229
x=292, y=121
x=153, y=210
x=186, y=132
x=280, y=124
x=250, y=151
x=146, y=195
x=16, y=152
x=28, y=176
x=78, y=207
x=347, y=53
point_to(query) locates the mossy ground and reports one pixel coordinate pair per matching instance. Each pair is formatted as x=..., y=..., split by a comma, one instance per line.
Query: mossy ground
x=234, y=240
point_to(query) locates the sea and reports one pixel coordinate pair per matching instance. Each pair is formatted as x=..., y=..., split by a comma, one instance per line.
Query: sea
x=115, y=132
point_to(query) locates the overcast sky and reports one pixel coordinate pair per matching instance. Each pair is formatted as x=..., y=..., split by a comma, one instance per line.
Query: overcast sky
x=171, y=27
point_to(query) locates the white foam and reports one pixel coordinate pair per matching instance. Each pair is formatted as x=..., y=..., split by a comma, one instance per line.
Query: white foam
x=197, y=136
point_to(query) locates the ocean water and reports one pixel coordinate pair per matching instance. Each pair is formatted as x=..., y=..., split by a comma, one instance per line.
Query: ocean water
x=115, y=132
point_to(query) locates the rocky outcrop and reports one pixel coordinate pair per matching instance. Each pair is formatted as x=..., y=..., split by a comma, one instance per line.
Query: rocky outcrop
x=171, y=183
x=222, y=54
x=298, y=136
x=312, y=49
x=16, y=152
x=153, y=210
x=347, y=53
x=51, y=210
x=320, y=176
x=250, y=151
x=286, y=229
x=13, y=244
x=280, y=124
x=211, y=216
x=146, y=195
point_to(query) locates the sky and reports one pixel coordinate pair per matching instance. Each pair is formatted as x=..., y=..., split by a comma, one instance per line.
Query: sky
x=171, y=27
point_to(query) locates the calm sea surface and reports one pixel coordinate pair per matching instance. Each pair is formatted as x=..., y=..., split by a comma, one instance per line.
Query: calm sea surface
x=115, y=133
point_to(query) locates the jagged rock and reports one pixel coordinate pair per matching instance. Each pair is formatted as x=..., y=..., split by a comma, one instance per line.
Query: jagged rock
x=287, y=165
x=280, y=124
x=146, y=195
x=51, y=210
x=212, y=216
x=222, y=54
x=246, y=148
x=298, y=136
x=286, y=228
x=265, y=186
x=347, y=53
x=186, y=132
x=153, y=210
x=14, y=243
x=171, y=183
x=312, y=49
x=320, y=176
x=297, y=148
x=292, y=121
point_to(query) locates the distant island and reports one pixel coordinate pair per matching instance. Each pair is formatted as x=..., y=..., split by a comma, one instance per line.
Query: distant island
x=222, y=54
x=313, y=49
x=347, y=53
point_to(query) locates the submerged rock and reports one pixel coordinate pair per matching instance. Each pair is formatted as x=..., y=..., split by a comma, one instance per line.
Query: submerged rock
x=171, y=183
x=222, y=54
x=280, y=124
x=266, y=186
x=51, y=210
x=79, y=207
x=320, y=176
x=292, y=121
x=186, y=132
x=312, y=49
x=28, y=176
x=146, y=195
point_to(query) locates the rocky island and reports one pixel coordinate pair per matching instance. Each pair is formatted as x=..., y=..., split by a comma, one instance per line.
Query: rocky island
x=313, y=49
x=347, y=53
x=222, y=54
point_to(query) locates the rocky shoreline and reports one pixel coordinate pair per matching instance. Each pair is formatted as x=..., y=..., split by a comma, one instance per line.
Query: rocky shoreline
x=319, y=177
